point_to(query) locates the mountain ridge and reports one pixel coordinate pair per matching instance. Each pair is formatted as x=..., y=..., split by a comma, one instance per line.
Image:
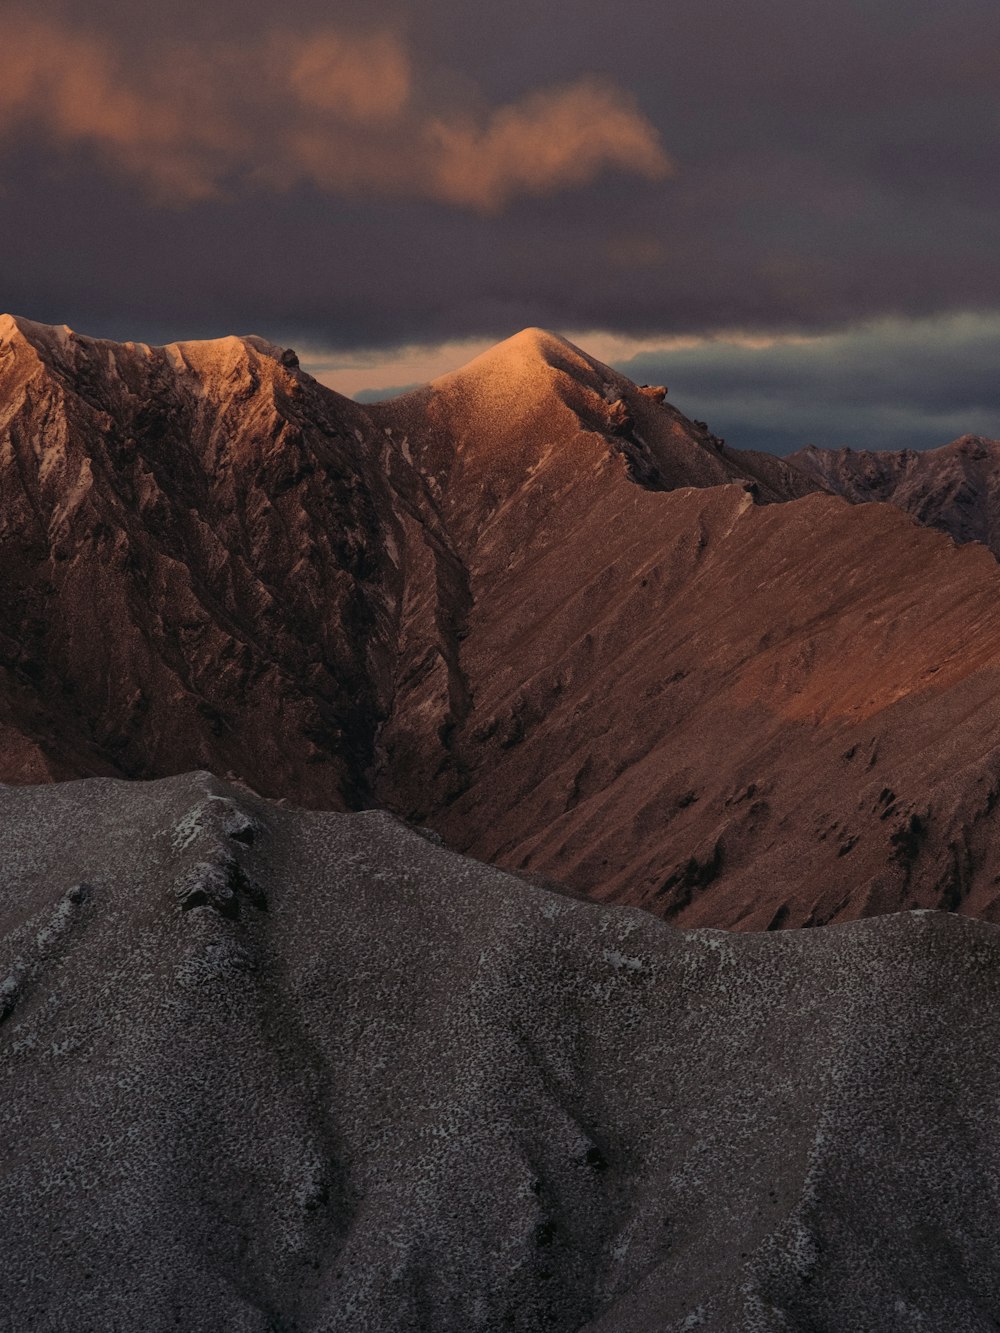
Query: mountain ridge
x=955, y=488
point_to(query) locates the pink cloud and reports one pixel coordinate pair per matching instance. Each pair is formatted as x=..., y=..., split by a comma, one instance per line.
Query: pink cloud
x=550, y=140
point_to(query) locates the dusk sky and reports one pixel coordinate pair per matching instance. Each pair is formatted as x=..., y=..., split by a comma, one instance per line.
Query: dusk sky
x=788, y=212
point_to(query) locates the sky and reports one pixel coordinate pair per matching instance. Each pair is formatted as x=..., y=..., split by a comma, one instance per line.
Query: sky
x=789, y=212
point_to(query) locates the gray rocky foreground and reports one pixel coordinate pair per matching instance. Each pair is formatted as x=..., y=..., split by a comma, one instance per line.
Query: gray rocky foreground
x=270, y=1070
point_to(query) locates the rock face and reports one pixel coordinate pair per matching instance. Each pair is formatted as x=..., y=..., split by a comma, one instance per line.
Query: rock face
x=955, y=489
x=194, y=562
x=264, y=1069
x=529, y=606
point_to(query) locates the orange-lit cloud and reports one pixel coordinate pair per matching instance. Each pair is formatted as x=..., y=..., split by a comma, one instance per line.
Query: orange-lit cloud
x=69, y=87
x=547, y=141
x=339, y=109
x=366, y=78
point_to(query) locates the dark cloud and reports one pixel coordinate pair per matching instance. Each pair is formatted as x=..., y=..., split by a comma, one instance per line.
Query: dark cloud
x=372, y=175
x=892, y=385
x=380, y=395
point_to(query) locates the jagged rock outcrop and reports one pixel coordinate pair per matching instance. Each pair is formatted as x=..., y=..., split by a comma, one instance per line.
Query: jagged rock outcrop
x=380, y=1086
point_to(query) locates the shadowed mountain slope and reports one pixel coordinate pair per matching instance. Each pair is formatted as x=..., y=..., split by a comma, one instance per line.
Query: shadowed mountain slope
x=529, y=605
x=736, y=694
x=955, y=489
x=266, y=1069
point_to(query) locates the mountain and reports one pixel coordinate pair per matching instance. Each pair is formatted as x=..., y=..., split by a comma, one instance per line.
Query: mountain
x=955, y=489
x=530, y=606
x=198, y=562
x=266, y=1069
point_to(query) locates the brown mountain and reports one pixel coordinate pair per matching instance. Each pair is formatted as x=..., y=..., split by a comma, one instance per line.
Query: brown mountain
x=530, y=606
x=955, y=489
x=264, y=1070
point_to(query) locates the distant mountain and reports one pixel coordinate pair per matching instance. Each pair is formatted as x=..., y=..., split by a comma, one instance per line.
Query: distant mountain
x=955, y=489
x=379, y=395
x=263, y=1069
x=531, y=606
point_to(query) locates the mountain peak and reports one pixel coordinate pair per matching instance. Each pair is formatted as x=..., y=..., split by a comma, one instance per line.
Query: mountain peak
x=527, y=362
x=977, y=446
x=538, y=341
x=527, y=605
x=209, y=356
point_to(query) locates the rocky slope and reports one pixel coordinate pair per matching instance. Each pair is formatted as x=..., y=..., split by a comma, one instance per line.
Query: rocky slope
x=955, y=489
x=743, y=717
x=530, y=606
x=263, y=1069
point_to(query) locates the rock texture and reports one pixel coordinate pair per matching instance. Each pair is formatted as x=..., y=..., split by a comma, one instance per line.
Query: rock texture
x=955, y=489
x=208, y=558
x=531, y=606
x=270, y=1070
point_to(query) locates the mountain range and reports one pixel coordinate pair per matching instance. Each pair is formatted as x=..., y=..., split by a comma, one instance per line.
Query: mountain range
x=530, y=606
